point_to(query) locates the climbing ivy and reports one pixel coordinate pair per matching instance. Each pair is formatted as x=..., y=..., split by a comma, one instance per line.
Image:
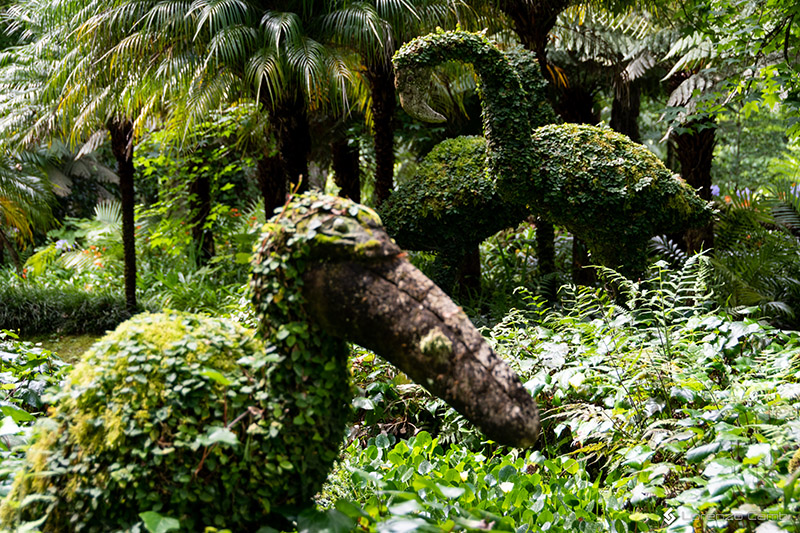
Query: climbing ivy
x=613, y=193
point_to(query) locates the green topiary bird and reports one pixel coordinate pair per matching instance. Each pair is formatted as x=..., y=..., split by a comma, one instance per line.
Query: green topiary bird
x=611, y=192
x=450, y=205
x=197, y=419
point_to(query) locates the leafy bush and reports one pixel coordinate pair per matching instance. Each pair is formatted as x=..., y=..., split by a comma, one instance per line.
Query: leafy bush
x=32, y=308
x=170, y=411
x=26, y=371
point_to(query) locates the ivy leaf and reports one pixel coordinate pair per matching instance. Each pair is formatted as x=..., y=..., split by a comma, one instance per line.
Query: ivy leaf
x=156, y=523
x=217, y=435
x=216, y=376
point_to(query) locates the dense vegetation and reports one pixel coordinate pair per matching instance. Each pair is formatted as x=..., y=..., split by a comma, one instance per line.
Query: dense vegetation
x=145, y=144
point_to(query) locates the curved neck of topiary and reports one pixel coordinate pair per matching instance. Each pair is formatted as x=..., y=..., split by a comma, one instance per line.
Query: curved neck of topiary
x=504, y=107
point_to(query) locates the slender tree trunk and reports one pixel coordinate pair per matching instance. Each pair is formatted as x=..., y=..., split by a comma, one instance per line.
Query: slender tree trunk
x=294, y=140
x=122, y=147
x=694, y=148
x=545, y=246
x=468, y=277
x=5, y=243
x=625, y=109
x=272, y=182
x=381, y=81
x=200, y=204
x=346, y=169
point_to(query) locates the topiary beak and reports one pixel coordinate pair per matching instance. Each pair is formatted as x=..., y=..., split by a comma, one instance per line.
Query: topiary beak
x=390, y=307
x=412, y=86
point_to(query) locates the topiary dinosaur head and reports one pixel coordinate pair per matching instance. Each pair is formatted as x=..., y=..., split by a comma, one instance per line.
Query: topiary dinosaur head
x=327, y=267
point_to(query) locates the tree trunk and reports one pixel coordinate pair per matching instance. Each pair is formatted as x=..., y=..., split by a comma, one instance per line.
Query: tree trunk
x=121, y=131
x=346, y=169
x=5, y=243
x=581, y=273
x=294, y=140
x=468, y=277
x=625, y=109
x=694, y=148
x=272, y=182
x=200, y=205
x=381, y=81
x=545, y=247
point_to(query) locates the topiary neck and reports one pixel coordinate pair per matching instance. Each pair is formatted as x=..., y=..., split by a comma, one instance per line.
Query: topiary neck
x=504, y=108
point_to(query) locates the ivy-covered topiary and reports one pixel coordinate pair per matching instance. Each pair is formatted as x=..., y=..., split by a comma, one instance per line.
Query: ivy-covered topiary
x=611, y=192
x=167, y=412
x=197, y=419
x=607, y=190
x=450, y=205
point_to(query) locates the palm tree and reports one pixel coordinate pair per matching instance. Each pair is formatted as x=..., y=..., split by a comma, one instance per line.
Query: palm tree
x=374, y=30
x=25, y=201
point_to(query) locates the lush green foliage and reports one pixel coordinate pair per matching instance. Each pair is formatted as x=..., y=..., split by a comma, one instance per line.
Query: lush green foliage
x=610, y=192
x=165, y=412
x=613, y=193
x=32, y=308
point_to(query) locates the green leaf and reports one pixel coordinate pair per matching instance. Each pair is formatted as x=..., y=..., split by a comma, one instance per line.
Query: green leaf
x=156, y=523
x=698, y=453
x=216, y=376
x=361, y=402
x=220, y=435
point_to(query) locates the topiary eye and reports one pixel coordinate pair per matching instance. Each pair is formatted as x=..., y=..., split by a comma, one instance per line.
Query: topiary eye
x=340, y=226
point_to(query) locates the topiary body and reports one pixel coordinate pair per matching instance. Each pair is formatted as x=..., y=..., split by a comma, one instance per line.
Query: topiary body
x=173, y=412
x=609, y=191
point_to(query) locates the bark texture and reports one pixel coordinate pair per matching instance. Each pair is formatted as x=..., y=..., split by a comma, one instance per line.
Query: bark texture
x=271, y=182
x=346, y=169
x=121, y=131
x=200, y=194
x=392, y=308
x=625, y=109
x=695, y=151
x=380, y=75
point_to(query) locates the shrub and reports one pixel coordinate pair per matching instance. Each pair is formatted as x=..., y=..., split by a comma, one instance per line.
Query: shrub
x=167, y=412
x=32, y=308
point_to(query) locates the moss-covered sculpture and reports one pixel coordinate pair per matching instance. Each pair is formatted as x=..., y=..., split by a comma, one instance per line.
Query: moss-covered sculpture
x=198, y=420
x=450, y=206
x=605, y=189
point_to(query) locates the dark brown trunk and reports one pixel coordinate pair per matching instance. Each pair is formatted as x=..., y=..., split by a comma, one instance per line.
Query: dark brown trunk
x=200, y=205
x=122, y=147
x=294, y=140
x=533, y=22
x=346, y=169
x=382, y=91
x=545, y=247
x=272, y=182
x=468, y=278
x=5, y=243
x=625, y=109
x=581, y=273
x=694, y=148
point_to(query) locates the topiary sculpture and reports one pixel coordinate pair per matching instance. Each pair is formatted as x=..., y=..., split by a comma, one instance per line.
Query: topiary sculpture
x=611, y=192
x=194, y=418
x=450, y=205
